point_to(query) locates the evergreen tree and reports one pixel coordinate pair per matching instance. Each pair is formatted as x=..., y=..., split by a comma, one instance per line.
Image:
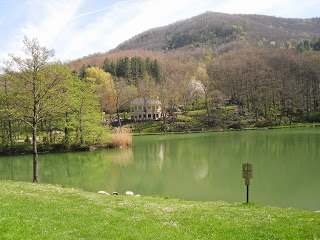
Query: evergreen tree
x=137, y=70
x=113, y=69
x=156, y=72
x=124, y=69
x=82, y=73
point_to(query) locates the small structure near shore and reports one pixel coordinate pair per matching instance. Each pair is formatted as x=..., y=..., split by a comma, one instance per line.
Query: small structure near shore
x=146, y=108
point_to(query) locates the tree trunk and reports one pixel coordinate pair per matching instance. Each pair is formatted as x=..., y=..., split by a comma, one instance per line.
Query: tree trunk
x=280, y=119
x=118, y=115
x=208, y=111
x=10, y=132
x=35, y=153
x=66, y=130
x=307, y=106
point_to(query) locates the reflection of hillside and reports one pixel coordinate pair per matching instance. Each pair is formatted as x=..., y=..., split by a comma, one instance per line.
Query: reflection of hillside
x=208, y=166
x=175, y=164
x=191, y=166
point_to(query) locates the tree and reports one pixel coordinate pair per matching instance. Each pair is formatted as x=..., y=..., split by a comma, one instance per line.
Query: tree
x=137, y=70
x=37, y=87
x=124, y=68
x=85, y=115
x=101, y=82
x=121, y=96
x=207, y=85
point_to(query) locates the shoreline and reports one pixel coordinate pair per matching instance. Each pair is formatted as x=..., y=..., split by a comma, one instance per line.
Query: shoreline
x=109, y=146
x=303, y=125
x=52, y=211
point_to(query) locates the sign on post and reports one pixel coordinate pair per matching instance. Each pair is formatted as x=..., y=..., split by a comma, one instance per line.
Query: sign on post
x=247, y=175
x=247, y=172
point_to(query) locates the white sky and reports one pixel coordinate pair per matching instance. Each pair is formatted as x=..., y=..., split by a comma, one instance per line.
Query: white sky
x=76, y=28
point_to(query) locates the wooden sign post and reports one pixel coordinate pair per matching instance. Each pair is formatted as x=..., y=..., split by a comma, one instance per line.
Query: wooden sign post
x=247, y=174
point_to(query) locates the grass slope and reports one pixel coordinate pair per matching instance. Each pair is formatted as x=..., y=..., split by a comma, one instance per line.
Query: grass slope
x=39, y=211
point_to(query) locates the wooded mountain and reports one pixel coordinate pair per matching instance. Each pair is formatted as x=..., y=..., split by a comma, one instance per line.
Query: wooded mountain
x=220, y=30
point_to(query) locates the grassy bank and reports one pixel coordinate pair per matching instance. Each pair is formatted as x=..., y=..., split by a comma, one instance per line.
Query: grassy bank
x=223, y=119
x=39, y=211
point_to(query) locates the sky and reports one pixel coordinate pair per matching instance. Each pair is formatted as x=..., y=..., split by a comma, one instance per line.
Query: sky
x=78, y=28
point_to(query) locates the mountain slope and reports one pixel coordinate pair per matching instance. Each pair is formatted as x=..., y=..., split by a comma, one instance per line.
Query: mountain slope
x=218, y=29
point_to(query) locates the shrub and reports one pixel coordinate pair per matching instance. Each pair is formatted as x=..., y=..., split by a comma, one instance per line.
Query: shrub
x=236, y=125
x=120, y=137
x=17, y=148
x=314, y=117
x=265, y=123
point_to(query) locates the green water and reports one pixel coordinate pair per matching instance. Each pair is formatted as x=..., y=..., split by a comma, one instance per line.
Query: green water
x=207, y=166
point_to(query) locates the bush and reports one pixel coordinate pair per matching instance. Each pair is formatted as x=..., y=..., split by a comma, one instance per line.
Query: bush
x=121, y=137
x=265, y=123
x=314, y=116
x=16, y=148
x=236, y=125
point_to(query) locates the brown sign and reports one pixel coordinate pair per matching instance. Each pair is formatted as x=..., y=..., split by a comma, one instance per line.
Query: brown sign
x=247, y=172
x=247, y=182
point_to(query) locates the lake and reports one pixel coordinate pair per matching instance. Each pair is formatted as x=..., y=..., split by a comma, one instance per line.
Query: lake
x=204, y=166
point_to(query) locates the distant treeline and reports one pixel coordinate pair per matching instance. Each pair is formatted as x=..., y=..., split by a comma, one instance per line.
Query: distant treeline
x=308, y=45
x=270, y=83
x=132, y=70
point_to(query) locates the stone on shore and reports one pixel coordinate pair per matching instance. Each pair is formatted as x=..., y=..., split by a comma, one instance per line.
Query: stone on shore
x=103, y=192
x=129, y=193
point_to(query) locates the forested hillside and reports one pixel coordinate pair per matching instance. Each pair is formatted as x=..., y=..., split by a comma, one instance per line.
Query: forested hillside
x=215, y=30
x=266, y=69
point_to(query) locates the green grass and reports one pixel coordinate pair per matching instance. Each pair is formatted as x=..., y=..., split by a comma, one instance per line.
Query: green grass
x=39, y=211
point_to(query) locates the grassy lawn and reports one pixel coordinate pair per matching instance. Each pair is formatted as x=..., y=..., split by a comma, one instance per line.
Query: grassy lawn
x=40, y=211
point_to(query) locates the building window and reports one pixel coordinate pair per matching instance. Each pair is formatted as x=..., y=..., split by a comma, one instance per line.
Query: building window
x=140, y=108
x=149, y=115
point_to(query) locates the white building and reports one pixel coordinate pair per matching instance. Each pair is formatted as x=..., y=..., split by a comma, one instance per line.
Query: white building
x=146, y=109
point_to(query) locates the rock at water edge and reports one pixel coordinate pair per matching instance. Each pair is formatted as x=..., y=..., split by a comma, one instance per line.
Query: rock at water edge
x=129, y=193
x=103, y=192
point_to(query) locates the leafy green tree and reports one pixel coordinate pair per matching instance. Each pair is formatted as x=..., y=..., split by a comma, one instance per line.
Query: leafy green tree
x=85, y=115
x=37, y=88
x=101, y=82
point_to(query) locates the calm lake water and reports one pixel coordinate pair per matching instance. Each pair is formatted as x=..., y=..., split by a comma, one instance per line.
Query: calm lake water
x=205, y=166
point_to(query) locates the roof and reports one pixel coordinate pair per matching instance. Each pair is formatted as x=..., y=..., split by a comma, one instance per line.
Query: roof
x=140, y=101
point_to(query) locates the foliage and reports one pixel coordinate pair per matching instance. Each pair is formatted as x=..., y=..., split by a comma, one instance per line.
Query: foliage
x=134, y=69
x=218, y=30
x=50, y=102
x=269, y=83
x=315, y=116
x=307, y=45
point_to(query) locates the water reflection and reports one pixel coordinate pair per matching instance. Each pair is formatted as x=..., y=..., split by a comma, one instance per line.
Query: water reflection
x=193, y=167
